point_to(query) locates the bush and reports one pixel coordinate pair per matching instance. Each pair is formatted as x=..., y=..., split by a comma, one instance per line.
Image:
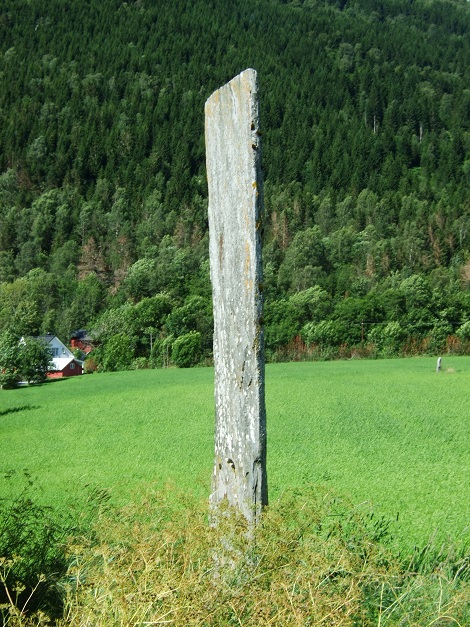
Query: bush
x=32, y=559
x=463, y=332
x=79, y=354
x=160, y=356
x=194, y=315
x=281, y=323
x=325, y=333
x=35, y=360
x=118, y=352
x=34, y=542
x=9, y=361
x=140, y=363
x=186, y=351
x=437, y=339
x=387, y=338
x=27, y=359
x=90, y=365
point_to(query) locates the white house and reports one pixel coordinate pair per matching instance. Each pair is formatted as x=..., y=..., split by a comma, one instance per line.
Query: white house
x=65, y=363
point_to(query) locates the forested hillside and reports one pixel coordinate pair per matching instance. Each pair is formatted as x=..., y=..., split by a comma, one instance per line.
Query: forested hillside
x=365, y=109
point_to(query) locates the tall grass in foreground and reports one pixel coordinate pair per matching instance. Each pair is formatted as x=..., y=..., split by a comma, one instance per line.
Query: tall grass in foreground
x=315, y=560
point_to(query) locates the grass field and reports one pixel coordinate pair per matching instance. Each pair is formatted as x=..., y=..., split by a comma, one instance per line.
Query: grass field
x=393, y=435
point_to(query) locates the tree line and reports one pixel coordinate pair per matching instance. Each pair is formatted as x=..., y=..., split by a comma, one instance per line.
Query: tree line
x=365, y=111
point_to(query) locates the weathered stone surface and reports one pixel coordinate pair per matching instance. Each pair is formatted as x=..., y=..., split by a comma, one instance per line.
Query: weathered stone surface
x=235, y=206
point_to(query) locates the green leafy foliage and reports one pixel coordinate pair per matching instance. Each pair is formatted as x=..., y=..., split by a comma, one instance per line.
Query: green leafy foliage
x=27, y=359
x=33, y=551
x=9, y=360
x=186, y=349
x=32, y=560
x=387, y=338
x=35, y=360
x=464, y=331
x=161, y=354
x=117, y=353
x=325, y=333
x=365, y=111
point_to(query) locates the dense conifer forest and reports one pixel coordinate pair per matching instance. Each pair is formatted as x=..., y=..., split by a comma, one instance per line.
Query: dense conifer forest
x=365, y=109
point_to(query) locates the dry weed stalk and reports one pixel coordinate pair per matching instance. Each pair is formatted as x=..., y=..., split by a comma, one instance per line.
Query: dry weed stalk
x=313, y=561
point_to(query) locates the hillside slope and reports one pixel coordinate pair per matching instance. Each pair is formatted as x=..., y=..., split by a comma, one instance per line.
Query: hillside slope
x=365, y=110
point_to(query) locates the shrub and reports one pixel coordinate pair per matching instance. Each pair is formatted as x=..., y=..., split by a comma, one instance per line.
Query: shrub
x=281, y=323
x=35, y=360
x=194, y=315
x=9, y=361
x=387, y=338
x=28, y=359
x=186, y=350
x=118, y=352
x=33, y=553
x=90, y=365
x=463, y=332
x=313, y=304
x=325, y=333
x=438, y=337
x=160, y=356
x=79, y=354
x=32, y=560
x=140, y=363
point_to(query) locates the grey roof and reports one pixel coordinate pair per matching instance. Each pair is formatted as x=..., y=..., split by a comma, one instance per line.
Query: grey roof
x=81, y=334
x=48, y=337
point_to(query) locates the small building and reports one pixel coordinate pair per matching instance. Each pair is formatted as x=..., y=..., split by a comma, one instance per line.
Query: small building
x=65, y=364
x=82, y=339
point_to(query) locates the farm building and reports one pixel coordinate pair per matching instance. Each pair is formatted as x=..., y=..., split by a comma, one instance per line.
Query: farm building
x=65, y=363
x=82, y=339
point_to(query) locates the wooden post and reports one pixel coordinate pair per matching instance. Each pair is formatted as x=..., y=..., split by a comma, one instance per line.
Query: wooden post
x=235, y=206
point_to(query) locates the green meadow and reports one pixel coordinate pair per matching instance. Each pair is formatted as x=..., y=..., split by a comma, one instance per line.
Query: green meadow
x=391, y=435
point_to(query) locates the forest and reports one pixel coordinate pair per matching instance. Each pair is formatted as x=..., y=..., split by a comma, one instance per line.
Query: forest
x=365, y=112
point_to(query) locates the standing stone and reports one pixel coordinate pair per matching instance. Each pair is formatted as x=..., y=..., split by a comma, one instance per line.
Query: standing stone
x=235, y=205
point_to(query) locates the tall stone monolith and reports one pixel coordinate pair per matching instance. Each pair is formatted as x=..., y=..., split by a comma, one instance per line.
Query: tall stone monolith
x=235, y=205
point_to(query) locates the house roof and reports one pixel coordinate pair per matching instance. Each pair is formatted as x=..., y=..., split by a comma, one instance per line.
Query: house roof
x=48, y=337
x=81, y=334
x=62, y=362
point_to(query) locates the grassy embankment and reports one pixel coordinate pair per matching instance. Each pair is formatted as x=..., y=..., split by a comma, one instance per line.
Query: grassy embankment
x=392, y=434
